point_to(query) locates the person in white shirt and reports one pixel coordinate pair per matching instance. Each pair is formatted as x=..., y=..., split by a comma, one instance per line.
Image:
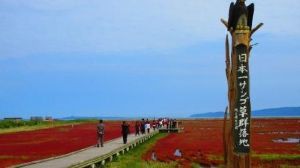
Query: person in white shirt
x=148, y=126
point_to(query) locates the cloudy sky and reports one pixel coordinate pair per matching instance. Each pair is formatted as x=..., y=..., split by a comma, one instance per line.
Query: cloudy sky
x=138, y=58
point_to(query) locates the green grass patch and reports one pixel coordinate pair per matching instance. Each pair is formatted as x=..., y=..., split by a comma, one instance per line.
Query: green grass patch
x=195, y=165
x=13, y=157
x=289, y=166
x=20, y=126
x=215, y=158
x=269, y=157
x=133, y=158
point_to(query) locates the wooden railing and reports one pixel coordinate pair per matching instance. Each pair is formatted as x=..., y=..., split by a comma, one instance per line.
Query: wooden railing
x=102, y=160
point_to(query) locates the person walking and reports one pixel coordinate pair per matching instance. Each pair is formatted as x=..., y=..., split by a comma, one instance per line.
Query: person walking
x=142, y=126
x=125, y=131
x=137, y=128
x=148, y=126
x=100, y=133
x=154, y=124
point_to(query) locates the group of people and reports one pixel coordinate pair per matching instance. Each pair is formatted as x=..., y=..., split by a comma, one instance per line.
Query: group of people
x=100, y=132
x=166, y=123
x=141, y=127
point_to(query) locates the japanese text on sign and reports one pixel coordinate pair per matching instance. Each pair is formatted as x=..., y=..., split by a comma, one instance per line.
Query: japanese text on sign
x=242, y=108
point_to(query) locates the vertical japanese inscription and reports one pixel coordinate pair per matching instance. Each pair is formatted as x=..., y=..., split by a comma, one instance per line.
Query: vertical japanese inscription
x=242, y=108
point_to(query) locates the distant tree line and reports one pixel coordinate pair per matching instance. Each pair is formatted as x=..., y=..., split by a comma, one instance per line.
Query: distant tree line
x=4, y=124
x=12, y=124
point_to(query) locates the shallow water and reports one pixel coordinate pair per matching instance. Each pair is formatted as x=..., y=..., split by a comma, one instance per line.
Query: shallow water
x=287, y=140
x=276, y=132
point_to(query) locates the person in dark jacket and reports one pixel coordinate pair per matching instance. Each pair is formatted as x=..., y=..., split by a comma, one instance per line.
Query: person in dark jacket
x=142, y=126
x=100, y=133
x=125, y=131
x=137, y=128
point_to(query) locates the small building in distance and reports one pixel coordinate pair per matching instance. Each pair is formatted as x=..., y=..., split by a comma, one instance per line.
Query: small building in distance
x=48, y=118
x=15, y=119
x=36, y=118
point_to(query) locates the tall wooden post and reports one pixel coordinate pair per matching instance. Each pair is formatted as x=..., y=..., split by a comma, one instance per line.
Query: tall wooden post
x=237, y=144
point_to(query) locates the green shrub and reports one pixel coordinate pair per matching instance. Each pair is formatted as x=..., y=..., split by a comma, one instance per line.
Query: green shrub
x=4, y=124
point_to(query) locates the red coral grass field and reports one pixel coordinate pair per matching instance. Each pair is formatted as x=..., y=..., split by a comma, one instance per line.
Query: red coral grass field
x=269, y=154
x=201, y=142
x=21, y=147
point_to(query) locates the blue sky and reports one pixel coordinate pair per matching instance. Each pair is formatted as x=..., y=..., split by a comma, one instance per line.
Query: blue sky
x=138, y=58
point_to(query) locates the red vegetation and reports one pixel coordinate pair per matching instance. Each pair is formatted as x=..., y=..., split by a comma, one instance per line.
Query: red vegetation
x=264, y=131
x=202, y=143
x=21, y=147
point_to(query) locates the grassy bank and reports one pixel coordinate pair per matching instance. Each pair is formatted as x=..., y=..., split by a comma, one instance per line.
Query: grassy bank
x=19, y=126
x=270, y=157
x=133, y=158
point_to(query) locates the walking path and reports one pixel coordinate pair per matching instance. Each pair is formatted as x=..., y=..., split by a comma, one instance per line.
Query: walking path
x=91, y=154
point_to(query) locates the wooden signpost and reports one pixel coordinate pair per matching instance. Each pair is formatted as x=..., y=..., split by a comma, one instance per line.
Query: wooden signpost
x=237, y=144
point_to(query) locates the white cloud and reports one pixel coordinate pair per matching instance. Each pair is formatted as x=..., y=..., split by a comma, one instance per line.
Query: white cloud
x=34, y=26
x=281, y=18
